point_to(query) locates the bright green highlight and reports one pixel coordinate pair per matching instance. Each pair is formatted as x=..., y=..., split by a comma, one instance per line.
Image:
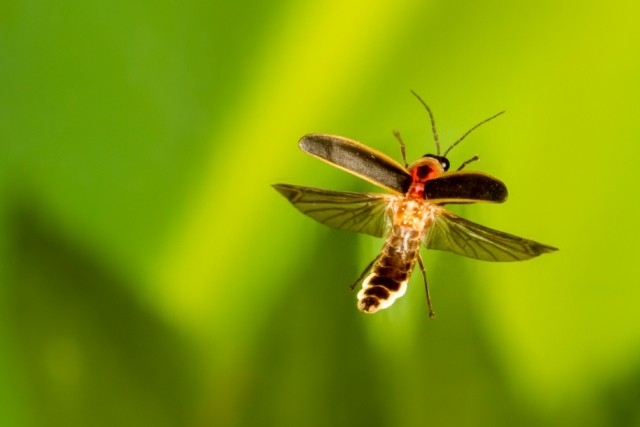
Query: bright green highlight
x=150, y=275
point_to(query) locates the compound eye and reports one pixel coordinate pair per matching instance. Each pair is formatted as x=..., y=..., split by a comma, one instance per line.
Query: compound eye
x=444, y=162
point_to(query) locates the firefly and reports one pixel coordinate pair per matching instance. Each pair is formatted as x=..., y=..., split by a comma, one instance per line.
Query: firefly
x=413, y=215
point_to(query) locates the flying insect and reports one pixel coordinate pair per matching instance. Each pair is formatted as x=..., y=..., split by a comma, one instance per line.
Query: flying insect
x=413, y=215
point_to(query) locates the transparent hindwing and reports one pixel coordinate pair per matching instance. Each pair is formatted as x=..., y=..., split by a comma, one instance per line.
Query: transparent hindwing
x=359, y=212
x=370, y=214
x=452, y=233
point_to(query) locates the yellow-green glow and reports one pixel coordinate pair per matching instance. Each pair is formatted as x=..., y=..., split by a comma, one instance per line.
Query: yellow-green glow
x=308, y=63
x=150, y=274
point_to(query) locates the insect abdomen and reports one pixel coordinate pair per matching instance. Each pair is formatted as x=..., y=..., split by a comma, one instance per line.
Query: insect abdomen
x=390, y=273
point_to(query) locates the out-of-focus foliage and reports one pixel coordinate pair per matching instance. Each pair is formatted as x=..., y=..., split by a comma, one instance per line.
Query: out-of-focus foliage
x=149, y=274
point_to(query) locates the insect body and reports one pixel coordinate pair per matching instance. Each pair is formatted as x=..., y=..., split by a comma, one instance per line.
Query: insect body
x=414, y=215
x=411, y=217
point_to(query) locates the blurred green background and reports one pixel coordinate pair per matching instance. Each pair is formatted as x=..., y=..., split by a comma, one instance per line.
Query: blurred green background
x=150, y=275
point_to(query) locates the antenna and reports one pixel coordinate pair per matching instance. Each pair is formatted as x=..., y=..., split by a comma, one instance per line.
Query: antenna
x=433, y=124
x=469, y=131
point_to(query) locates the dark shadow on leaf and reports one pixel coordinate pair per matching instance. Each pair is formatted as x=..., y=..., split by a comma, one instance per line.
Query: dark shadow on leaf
x=90, y=353
x=313, y=366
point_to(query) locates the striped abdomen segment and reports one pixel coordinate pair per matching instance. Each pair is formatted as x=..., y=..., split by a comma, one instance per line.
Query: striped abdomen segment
x=391, y=272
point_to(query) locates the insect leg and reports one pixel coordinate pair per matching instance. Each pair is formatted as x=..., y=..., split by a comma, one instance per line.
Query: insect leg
x=364, y=272
x=403, y=150
x=432, y=315
x=473, y=159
